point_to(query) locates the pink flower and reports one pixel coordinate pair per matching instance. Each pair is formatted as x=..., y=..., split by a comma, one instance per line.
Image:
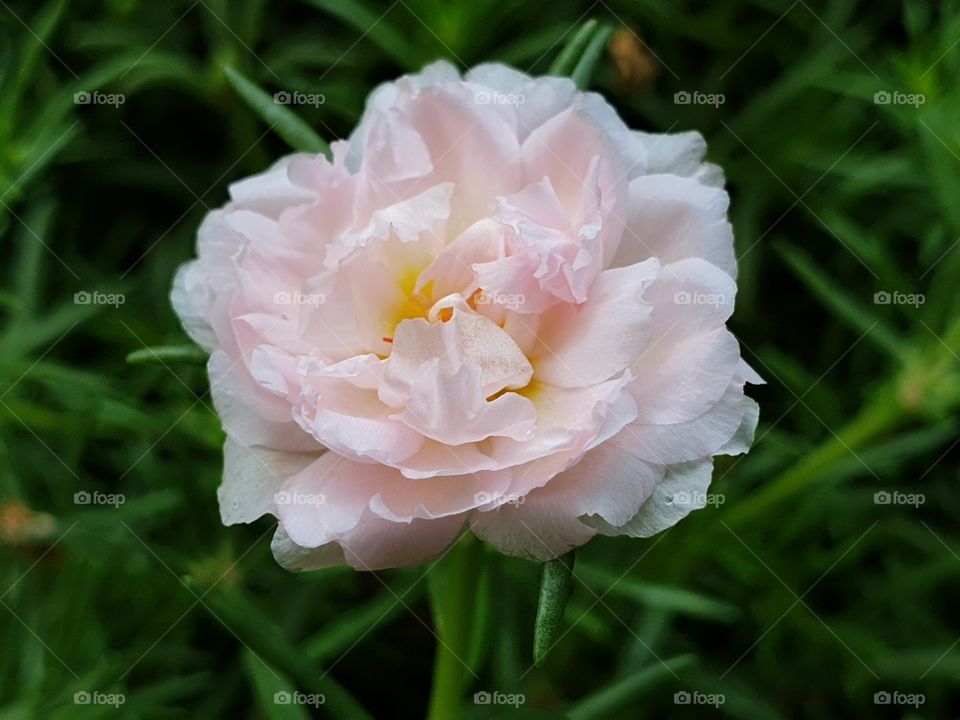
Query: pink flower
x=497, y=308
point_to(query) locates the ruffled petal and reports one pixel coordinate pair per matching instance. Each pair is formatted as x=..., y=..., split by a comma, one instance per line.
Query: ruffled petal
x=614, y=319
x=683, y=490
x=609, y=483
x=451, y=408
x=672, y=218
x=252, y=477
x=465, y=338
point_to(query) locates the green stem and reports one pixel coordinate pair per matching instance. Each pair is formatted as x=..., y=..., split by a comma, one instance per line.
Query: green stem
x=885, y=412
x=454, y=601
x=875, y=419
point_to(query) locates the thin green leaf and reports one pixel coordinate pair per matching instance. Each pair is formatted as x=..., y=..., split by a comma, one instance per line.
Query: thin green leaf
x=164, y=693
x=288, y=125
x=262, y=635
x=840, y=303
x=38, y=155
x=604, y=702
x=823, y=402
x=891, y=453
x=663, y=597
x=48, y=329
x=32, y=254
x=45, y=22
x=567, y=59
x=166, y=354
x=375, y=27
x=528, y=50
x=583, y=72
x=340, y=634
x=272, y=690
x=555, y=586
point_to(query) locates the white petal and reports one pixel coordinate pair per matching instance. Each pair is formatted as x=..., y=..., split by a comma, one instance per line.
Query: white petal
x=609, y=483
x=377, y=544
x=672, y=218
x=742, y=439
x=189, y=299
x=701, y=437
x=271, y=191
x=295, y=558
x=251, y=415
x=251, y=479
x=679, y=154
x=683, y=489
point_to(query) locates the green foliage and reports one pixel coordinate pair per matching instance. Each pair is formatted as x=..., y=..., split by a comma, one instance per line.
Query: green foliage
x=297, y=133
x=568, y=57
x=798, y=595
x=583, y=71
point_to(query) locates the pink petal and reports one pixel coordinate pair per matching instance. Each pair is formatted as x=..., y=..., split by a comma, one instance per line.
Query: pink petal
x=672, y=218
x=615, y=318
x=466, y=338
x=451, y=407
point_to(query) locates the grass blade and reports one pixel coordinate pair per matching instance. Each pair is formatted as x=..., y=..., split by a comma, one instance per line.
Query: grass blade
x=841, y=304
x=287, y=124
x=661, y=597
x=373, y=25
x=567, y=59
x=163, y=354
x=604, y=702
x=273, y=691
x=349, y=628
x=583, y=72
x=262, y=636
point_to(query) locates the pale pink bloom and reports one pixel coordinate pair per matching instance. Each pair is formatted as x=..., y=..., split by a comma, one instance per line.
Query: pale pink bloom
x=497, y=308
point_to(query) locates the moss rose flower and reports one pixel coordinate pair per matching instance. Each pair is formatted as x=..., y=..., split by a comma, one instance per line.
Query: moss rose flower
x=497, y=308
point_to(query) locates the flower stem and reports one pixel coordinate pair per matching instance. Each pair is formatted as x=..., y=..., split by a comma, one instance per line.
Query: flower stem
x=453, y=597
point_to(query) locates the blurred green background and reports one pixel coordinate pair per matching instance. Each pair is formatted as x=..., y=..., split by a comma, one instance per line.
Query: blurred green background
x=802, y=594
